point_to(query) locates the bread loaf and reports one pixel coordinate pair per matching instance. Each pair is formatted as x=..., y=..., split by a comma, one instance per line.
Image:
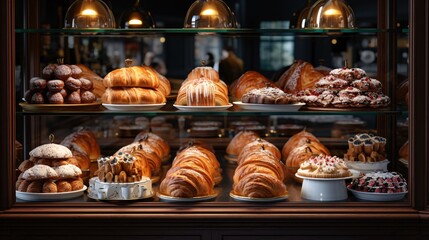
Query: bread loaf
x=97, y=81
x=132, y=95
x=136, y=76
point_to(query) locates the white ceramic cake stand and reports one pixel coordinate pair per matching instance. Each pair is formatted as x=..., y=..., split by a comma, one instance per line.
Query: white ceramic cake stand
x=324, y=189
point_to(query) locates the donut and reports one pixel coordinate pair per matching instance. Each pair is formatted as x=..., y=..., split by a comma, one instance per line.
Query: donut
x=37, y=84
x=76, y=71
x=86, y=84
x=73, y=84
x=48, y=71
x=74, y=97
x=55, y=85
x=37, y=98
x=62, y=72
x=87, y=97
x=55, y=98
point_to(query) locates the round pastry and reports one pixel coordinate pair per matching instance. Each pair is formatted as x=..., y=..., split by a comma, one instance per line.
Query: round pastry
x=23, y=185
x=68, y=171
x=378, y=99
x=201, y=93
x=87, y=97
x=35, y=187
x=360, y=101
x=37, y=98
x=62, y=72
x=367, y=84
x=350, y=92
x=248, y=81
x=48, y=71
x=342, y=101
x=207, y=72
x=266, y=95
x=325, y=98
x=348, y=74
x=74, y=97
x=323, y=166
x=63, y=93
x=38, y=172
x=86, y=84
x=379, y=182
x=259, y=145
x=55, y=85
x=76, y=184
x=51, y=150
x=26, y=164
x=37, y=84
x=63, y=186
x=28, y=95
x=332, y=83
x=55, y=98
x=49, y=187
x=76, y=71
x=73, y=84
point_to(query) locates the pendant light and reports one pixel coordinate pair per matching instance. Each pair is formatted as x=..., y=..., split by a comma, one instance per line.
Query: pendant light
x=136, y=17
x=89, y=14
x=303, y=14
x=209, y=14
x=331, y=14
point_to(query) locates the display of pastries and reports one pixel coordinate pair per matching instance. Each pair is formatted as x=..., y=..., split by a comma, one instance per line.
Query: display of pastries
x=203, y=87
x=240, y=140
x=344, y=88
x=84, y=147
x=379, y=182
x=50, y=169
x=366, y=148
x=60, y=84
x=322, y=166
x=135, y=85
x=122, y=168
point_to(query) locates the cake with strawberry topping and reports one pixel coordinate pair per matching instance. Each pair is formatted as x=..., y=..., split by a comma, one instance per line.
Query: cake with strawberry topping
x=267, y=95
x=323, y=166
x=379, y=182
x=348, y=74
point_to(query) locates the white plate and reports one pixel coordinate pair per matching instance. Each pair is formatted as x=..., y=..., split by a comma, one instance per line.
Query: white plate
x=252, y=199
x=133, y=107
x=95, y=197
x=202, y=108
x=27, y=196
x=269, y=107
x=179, y=199
x=381, y=197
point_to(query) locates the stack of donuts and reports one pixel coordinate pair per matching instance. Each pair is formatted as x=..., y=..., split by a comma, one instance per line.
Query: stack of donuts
x=60, y=84
x=135, y=85
x=260, y=173
x=194, y=173
x=203, y=87
x=50, y=169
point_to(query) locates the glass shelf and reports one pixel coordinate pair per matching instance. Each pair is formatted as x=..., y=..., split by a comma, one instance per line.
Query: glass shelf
x=243, y=31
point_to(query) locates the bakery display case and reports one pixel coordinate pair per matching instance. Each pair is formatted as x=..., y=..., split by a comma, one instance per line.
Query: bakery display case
x=178, y=151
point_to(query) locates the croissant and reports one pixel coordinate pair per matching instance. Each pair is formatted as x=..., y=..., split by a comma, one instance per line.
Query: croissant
x=258, y=145
x=164, y=85
x=187, y=183
x=151, y=165
x=83, y=141
x=240, y=140
x=259, y=185
x=132, y=95
x=300, y=76
x=248, y=81
x=136, y=76
x=206, y=72
x=263, y=159
x=156, y=142
x=296, y=140
x=201, y=160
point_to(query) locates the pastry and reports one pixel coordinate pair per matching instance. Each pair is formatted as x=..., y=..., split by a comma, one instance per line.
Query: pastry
x=72, y=84
x=87, y=97
x=76, y=71
x=74, y=98
x=35, y=187
x=379, y=182
x=39, y=172
x=37, y=84
x=259, y=145
x=132, y=95
x=63, y=186
x=62, y=72
x=83, y=141
x=97, y=81
x=55, y=98
x=26, y=164
x=248, y=81
x=365, y=148
x=322, y=166
x=67, y=171
x=76, y=184
x=367, y=84
x=300, y=76
x=86, y=84
x=240, y=140
x=164, y=85
x=259, y=185
x=348, y=74
x=48, y=71
x=331, y=82
x=135, y=76
x=266, y=95
x=51, y=150
x=37, y=98
x=49, y=187
x=23, y=185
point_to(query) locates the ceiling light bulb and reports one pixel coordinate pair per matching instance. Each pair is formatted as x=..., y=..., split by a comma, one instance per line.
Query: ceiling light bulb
x=89, y=12
x=135, y=22
x=209, y=12
x=332, y=12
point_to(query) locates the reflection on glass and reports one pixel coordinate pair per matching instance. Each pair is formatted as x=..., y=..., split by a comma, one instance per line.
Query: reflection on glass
x=89, y=14
x=135, y=17
x=210, y=14
x=331, y=14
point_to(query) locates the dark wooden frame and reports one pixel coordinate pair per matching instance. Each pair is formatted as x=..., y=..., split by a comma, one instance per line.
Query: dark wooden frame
x=229, y=220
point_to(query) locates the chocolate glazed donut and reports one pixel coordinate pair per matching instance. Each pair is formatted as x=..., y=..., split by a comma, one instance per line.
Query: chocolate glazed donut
x=73, y=84
x=48, y=71
x=62, y=72
x=37, y=84
x=55, y=85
